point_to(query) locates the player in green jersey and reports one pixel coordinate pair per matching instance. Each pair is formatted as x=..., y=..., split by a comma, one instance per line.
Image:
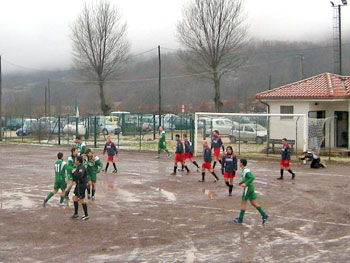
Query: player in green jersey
x=248, y=193
x=69, y=167
x=162, y=142
x=60, y=179
x=94, y=166
x=81, y=146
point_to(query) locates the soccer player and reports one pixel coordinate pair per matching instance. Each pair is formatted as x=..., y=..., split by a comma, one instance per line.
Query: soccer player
x=81, y=146
x=162, y=142
x=285, y=159
x=179, y=155
x=248, y=193
x=315, y=160
x=80, y=179
x=207, y=162
x=216, y=144
x=94, y=165
x=69, y=167
x=229, y=168
x=60, y=179
x=189, y=151
x=111, y=151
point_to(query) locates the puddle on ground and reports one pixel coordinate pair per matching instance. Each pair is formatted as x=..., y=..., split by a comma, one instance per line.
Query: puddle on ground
x=14, y=200
x=169, y=195
x=130, y=197
x=209, y=193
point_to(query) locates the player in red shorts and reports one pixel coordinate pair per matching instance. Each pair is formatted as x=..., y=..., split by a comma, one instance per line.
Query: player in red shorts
x=111, y=152
x=207, y=162
x=216, y=144
x=229, y=168
x=285, y=159
x=189, y=151
x=179, y=155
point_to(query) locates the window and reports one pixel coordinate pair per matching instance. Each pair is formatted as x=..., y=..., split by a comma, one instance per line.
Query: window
x=286, y=110
x=249, y=129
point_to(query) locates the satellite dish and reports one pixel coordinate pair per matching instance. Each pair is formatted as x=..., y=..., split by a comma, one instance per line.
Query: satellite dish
x=332, y=3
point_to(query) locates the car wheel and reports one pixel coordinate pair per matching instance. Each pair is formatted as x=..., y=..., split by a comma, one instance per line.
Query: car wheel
x=105, y=132
x=233, y=139
x=259, y=140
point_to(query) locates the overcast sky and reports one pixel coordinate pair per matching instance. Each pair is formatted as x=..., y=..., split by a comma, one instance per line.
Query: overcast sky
x=35, y=33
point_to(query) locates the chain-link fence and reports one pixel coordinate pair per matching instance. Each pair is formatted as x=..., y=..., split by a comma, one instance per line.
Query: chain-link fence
x=128, y=131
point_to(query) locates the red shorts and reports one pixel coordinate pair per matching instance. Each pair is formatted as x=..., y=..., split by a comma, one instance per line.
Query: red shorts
x=206, y=165
x=179, y=157
x=110, y=158
x=217, y=152
x=188, y=156
x=285, y=163
x=229, y=175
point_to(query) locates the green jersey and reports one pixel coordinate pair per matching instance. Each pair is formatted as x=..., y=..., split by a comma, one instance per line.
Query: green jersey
x=70, y=166
x=60, y=170
x=81, y=146
x=248, y=178
x=93, y=166
x=161, y=143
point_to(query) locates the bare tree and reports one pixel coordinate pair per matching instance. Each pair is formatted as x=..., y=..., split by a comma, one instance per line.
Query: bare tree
x=213, y=34
x=100, y=47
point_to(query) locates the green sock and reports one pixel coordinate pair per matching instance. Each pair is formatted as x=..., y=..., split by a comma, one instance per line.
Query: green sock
x=241, y=214
x=158, y=152
x=261, y=210
x=93, y=192
x=51, y=194
x=167, y=151
x=62, y=199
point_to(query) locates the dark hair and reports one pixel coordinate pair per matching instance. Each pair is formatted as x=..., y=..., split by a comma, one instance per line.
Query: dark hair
x=230, y=148
x=184, y=135
x=73, y=150
x=88, y=150
x=59, y=155
x=80, y=159
x=78, y=137
x=216, y=131
x=284, y=139
x=177, y=135
x=244, y=161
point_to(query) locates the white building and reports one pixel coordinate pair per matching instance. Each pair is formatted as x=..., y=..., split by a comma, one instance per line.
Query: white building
x=323, y=96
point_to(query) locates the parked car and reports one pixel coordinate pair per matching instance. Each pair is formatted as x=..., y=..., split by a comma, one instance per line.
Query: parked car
x=13, y=124
x=249, y=132
x=108, y=127
x=223, y=125
x=48, y=119
x=113, y=119
x=28, y=127
x=71, y=129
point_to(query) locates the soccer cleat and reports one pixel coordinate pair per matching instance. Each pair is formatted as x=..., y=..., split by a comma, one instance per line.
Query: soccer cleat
x=104, y=170
x=93, y=198
x=188, y=172
x=238, y=220
x=264, y=218
x=230, y=190
x=293, y=176
x=74, y=216
x=201, y=181
x=173, y=174
x=84, y=218
x=280, y=178
x=217, y=179
x=89, y=197
x=44, y=203
x=61, y=204
x=115, y=171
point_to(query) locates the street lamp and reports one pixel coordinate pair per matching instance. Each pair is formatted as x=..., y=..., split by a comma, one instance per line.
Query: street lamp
x=338, y=19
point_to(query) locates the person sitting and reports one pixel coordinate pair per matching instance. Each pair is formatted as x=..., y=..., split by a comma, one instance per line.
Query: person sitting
x=315, y=160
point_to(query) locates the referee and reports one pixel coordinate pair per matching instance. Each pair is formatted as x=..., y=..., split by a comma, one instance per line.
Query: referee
x=80, y=179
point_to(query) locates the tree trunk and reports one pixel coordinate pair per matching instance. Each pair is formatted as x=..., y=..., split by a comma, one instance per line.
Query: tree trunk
x=217, y=99
x=104, y=107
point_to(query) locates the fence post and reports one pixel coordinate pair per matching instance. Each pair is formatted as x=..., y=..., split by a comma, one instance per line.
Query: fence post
x=192, y=133
x=172, y=127
x=95, y=132
x=59, y=130
x=39, y=130
x=22, y=127
x=154, y=126
x=140, y=127
x=239, y=138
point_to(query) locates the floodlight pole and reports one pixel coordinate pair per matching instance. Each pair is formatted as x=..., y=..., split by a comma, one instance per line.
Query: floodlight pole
x=340, y=50
x=0, y=102
x=159, y=89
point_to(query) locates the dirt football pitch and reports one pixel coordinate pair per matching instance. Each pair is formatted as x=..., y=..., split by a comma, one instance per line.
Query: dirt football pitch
x=143, y=214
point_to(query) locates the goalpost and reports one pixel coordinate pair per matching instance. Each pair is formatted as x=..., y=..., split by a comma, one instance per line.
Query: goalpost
x=252, y=132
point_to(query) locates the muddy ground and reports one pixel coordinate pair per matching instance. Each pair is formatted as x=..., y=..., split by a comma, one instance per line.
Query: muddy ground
x=143, y=214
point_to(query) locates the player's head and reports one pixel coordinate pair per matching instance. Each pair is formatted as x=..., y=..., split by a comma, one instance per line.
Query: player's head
x=284, y=141
x=184, y=135
x=177, y=137
x=89, y=152
x=205, y=143
x=77, y=139
x=160, y=128
x=243, y=163
x=108, y=138
x=74, y=151
x=229, y=149
x=215, y=132
x=79, y=160
x=60, y=156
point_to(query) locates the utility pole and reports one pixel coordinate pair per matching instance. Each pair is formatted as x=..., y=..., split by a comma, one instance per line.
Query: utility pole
x=340, y=50
x=302, y=75
x=45, y=101
x=159, y=89
x=48, y=98
x=0, y=102
x=270, y=82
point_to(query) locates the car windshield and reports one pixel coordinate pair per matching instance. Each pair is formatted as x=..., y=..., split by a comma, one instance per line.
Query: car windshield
x=258, y=127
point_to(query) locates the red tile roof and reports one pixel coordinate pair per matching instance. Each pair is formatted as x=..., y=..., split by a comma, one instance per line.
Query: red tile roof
x=323, y=86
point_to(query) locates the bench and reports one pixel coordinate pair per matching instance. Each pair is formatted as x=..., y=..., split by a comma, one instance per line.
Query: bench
x=279, y=142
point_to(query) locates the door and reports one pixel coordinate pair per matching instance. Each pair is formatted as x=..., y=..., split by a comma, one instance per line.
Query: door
x=341, y=128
